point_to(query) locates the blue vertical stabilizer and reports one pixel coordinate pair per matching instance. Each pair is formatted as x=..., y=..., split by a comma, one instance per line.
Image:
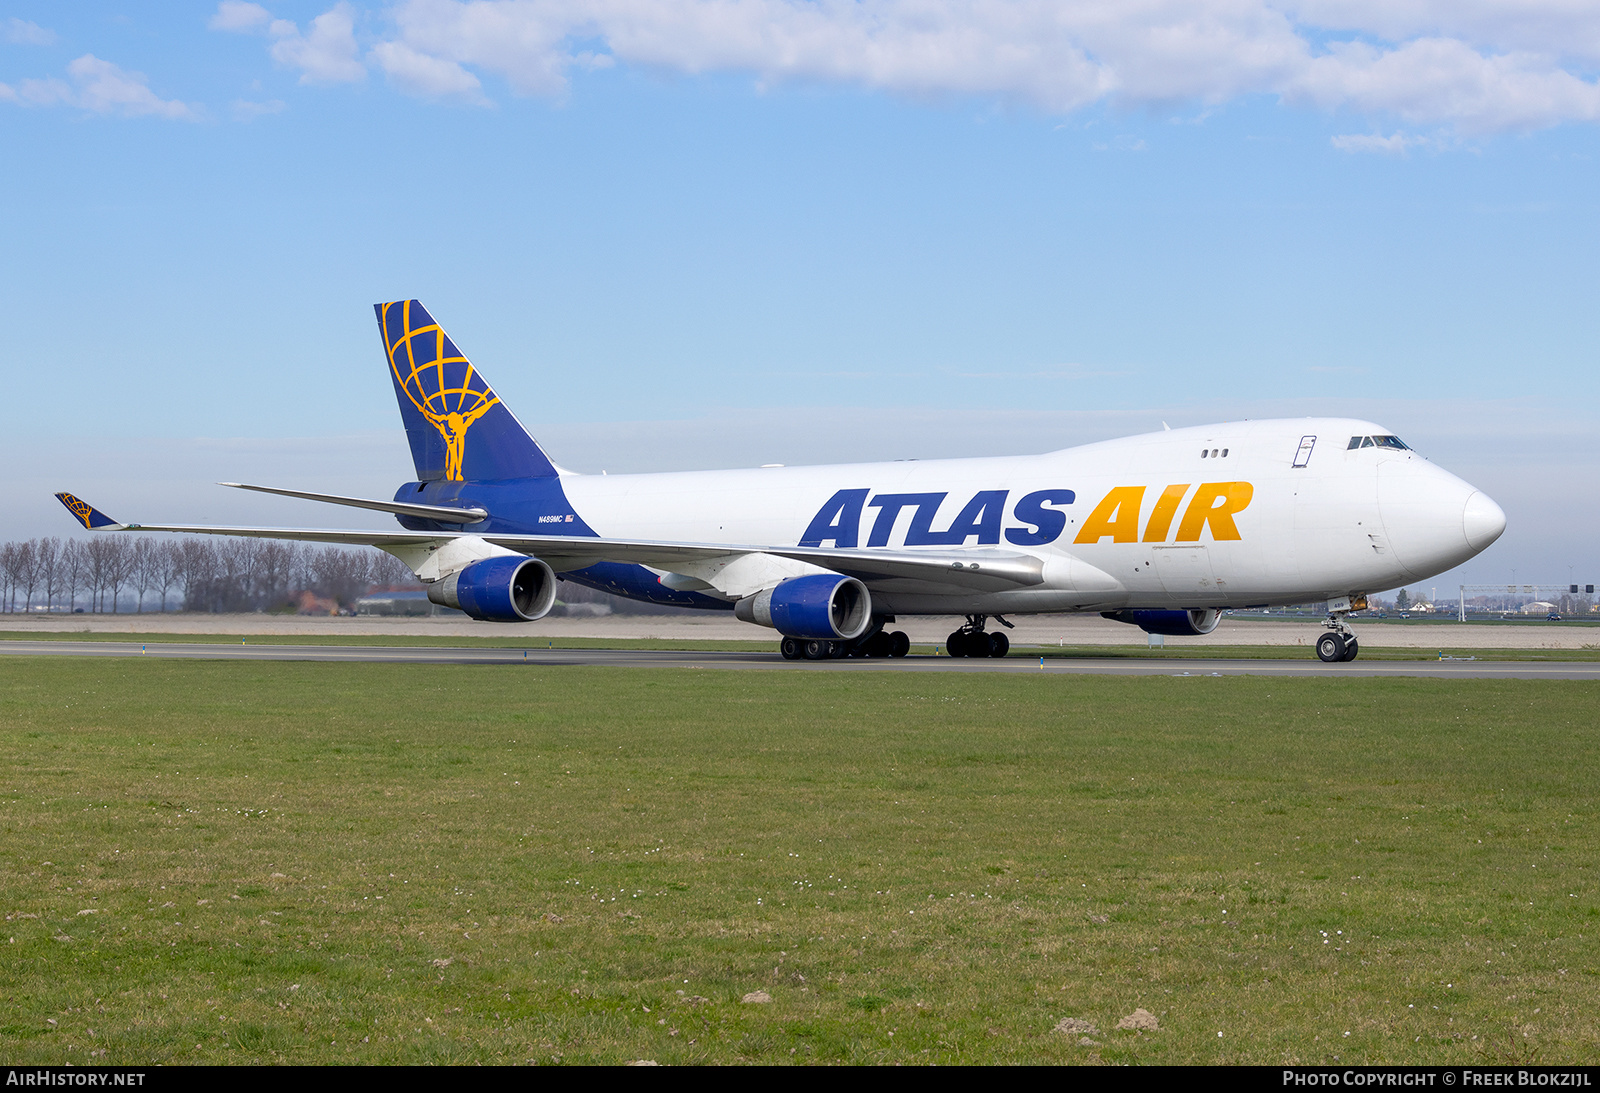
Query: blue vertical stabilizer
x=458, y=428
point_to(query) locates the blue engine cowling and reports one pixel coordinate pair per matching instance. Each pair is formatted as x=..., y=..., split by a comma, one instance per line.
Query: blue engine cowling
x=824, y=606
x=512, y=588
x=1178, y=624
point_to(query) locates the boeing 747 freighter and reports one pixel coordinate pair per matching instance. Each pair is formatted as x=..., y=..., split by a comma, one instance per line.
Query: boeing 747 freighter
x=1163, y=531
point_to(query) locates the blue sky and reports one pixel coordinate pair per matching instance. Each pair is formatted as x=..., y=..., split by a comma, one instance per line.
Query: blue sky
x=688, y=235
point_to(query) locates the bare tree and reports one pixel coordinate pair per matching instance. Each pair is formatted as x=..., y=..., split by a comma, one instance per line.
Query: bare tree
x=74, y=567
x=8, y=574
x=277, y=571
x=389, y=570
x=142, y=571
x=340, y=575
x=197, y=567
x=99, y=552
x=48, y=552
x=211, y=575
x=164, y=571
x=235, y=577
x=121, y=568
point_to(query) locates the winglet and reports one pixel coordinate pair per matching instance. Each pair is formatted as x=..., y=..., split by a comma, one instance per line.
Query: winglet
x=87, y=515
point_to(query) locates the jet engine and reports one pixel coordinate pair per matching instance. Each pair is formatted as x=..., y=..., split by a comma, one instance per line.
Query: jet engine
x=1178, y=624
x=824, y=606
x=511, y=588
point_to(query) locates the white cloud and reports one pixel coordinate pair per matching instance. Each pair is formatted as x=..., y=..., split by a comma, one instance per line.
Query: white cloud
x=99, y=87
x=1395, y=145
x=1434, y=79
x=246, y=110
x=1476, y=65
x=1557, y=28
x=327, y=53
x=20, y=32
x=420, y=74
x=239, y=17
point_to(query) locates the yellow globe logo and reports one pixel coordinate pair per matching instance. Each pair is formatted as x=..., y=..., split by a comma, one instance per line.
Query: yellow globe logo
x=439, y=381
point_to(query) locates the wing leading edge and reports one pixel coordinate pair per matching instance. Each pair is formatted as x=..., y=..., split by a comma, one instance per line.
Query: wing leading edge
x=978, y=569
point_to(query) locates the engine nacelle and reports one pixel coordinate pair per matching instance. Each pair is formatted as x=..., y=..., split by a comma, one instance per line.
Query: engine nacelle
x=1178, y=624
x=824, y=606
x=512, y=588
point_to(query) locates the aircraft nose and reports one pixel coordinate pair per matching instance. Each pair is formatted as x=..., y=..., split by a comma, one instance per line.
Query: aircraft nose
x=1482, y=520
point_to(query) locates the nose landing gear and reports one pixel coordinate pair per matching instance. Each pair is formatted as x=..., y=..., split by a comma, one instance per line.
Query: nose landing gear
x=1339, y=643
x=971, y=641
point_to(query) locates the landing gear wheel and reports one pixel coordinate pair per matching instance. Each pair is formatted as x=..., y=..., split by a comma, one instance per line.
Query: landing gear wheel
x=815, y=649
x=1331, y=648
x=877, y=645
x=790, y=648
x=899, y=644
x=999, y=644
x=1351, y=648
x=956, y=643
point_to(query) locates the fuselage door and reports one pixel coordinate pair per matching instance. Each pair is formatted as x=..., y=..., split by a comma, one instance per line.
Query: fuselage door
x=1303, y=455
x=1185, y=571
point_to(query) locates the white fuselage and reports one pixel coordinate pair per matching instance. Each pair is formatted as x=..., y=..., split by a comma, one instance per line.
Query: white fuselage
x=1152, y=522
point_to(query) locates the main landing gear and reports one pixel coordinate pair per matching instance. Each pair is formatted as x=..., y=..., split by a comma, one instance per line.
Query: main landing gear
x=878, y=643
x=1339, y=643
x=971, y=641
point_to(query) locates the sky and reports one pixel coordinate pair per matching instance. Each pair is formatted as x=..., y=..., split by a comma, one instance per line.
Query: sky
x=680, y=234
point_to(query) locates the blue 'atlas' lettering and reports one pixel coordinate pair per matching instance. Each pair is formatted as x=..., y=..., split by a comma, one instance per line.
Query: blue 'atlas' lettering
x=838, y=520
x=889, y=506
x=1047, y=523
x=981, y=517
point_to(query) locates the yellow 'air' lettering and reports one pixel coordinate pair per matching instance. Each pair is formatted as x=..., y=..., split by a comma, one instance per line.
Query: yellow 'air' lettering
x=1215, y=503
x=1166, y=508
x=1117, y=515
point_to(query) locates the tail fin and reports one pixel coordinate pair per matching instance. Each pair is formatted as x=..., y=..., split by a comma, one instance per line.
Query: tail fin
x=458, y=428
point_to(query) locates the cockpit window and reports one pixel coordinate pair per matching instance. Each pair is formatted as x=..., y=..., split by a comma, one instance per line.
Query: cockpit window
x=1378, y=442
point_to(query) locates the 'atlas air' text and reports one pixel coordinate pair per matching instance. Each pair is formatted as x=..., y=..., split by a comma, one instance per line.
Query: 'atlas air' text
x=1039, y=517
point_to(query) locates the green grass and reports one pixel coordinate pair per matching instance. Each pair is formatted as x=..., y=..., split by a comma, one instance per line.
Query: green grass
x=387, y=863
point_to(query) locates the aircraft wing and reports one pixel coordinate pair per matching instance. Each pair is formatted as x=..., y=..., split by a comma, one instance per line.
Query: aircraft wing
x=979, y=568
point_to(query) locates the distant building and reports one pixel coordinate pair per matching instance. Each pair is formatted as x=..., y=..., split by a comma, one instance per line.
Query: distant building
x=1537, y=607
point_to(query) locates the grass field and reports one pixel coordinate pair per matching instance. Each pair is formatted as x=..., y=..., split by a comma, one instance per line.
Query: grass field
x=240, y=862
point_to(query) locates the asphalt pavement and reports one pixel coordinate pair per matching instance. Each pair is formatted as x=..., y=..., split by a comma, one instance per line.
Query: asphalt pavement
x=1017, y=663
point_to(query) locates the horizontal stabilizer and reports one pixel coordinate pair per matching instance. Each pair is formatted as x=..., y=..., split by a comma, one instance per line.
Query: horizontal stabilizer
x=443, y=513
x=86, y=514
